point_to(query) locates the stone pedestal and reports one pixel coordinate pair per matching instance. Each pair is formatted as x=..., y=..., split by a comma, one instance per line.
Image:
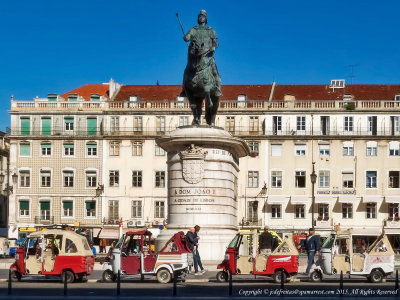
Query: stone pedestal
x=203, y=166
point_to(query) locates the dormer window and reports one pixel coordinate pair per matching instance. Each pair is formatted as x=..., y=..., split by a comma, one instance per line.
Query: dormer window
x=397, y=98
x=133, y=98
x=180, y=99
x=337, y=83
x=52, y=97
x=72, y=97
x=242, y=98
x=348, y=97
x=94, y=97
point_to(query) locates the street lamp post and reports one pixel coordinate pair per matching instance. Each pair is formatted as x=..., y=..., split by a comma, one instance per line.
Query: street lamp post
x=313, y=178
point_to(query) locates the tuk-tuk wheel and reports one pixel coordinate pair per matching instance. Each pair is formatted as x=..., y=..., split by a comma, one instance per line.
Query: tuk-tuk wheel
x=278, y=276
x=222, y=276
x=163, y=276
x=70, y=276
x=376, y=276
x=316, y=276
x=108, y=276
x=15, y=276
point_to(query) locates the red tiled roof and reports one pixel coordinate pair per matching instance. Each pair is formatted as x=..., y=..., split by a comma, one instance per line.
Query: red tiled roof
x=170, y=92
x=86, y=90
x=324, y=92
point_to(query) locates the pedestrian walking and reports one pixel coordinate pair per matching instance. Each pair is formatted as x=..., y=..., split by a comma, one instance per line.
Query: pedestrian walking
x=312, y=246
x=197, y=261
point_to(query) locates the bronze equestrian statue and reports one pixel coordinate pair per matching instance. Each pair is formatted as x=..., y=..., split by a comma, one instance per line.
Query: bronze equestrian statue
x=201, y=79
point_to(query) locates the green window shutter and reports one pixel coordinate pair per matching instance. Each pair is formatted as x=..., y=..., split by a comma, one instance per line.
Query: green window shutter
x=24, y=149
x=67, y=204
x=24, y=205
x=44, y=205
x=25, y=126
x=92, y=145
x=92, y=126
x=72, y=98
x=69, y=120
x=90, y=205
x=52, y=98
x=68, y=145
x=46, y=145
x=46, y=126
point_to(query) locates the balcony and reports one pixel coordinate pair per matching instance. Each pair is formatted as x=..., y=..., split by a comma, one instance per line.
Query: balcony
x=47, y=220
x=251, y=222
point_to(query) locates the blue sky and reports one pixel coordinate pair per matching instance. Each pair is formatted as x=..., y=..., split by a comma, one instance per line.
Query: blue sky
x=55, y=46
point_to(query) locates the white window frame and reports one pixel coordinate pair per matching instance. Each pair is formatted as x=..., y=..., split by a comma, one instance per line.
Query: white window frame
x=91, y=171
x=40, y=178
x=41, y=149
x=115, y=176
x=62, y=177
x=371, y=149
x=324, y=150
x=158, y=151
x=299, y=211
x=348, y=149
x=300, y=124
x=389, y=180
x=371, y=214
x=30, y=148
x=348, y=124
x=50, y=210
x=347, y=174
x=276, y=211
x=138, y=123
x=28, y=216
x=324, y=179
x=114, y=147
x=376, y=179
x=183, y=121
x=64, y=149
x=394, y=148
x=276, y=179
x=62, y=208
x=141, y=178
x=65, y=124
x=136, y=145
x=347, y=211
x=157, y=216
x=255, y=181
x=138, y=209
x=24, y=170
x=296, y=185
x=164, y=180
x=87, y=155
x=300, y=149
x=85, y=216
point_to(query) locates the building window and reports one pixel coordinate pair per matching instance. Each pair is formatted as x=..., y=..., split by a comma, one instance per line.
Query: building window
x=348, y=179
x=68, y=178
x=254, y=148
x=371, y=179
x=252, y=209
x=90, y=208
x=324, y=179
x=276, y=149
x=114, y=148
x=69, y=123
x=347, y=211
x=46, y=126
x=45, y=178
x=299, y=211
x=91, y=126
x=230, y=124
x=25, y=149
x=91, y=148
x=114, y=124
x=277, y=125
x=372, y=122
x=137, y=124
x=324, y=150
x=159, y=209
x=348, y=149
x=275, y=211
x=69, y=149
x=24, y=178
x=300, y=150
x=394, y=148
x=24, y=208
x=253, y=179
x=160, y=179
x=393, y=210
x=371, y=211
x=323, y=211
x=45, y=149
x=158, y=151
x=137, y=148
x=183, y=121
x=300, y=179
x=348, y=124
x=68, y=208
x=25, y=126
x=160, y=124
x=253, y=124
x=45, y=210
x=91, y=179
x=113, y=210
x=136, y=209
x=276, y=179
x=372, y=149
x=300, y=123
x=114, y=178
x=394, y=181
x=137, y=178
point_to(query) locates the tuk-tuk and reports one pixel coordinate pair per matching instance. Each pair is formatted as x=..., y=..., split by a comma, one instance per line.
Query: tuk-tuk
x=133, y=255
x=4, y=246
x=283, y=261
x=337, y=255
x=53, y=252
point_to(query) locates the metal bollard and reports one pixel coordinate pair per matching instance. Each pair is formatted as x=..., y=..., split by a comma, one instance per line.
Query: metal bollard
x=396, y=283
x=341, y=283
x=119, y=282
x=174, y=287
x=9, y=283
x=282, y=280
x=230, y=283
x=65, y=283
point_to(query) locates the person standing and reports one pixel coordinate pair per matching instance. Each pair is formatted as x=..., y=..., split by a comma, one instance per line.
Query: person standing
x=104, y=245
x=265, y=242
x=311, y=244
x=197, y=261
x=101, y=246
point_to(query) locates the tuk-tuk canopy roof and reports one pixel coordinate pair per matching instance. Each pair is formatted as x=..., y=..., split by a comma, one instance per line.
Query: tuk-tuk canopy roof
x=139, y=231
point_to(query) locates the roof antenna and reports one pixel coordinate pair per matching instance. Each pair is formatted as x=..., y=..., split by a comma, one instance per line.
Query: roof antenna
x=352, y=72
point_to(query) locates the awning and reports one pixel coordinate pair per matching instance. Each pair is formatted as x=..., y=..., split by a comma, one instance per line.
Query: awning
x=299, y=199
x=372, y=198
x=347, y=199
x=109, y=233
x=366, y=231
x=392, y=199
x=323, y=199
x=276, y=199
x=154, y=232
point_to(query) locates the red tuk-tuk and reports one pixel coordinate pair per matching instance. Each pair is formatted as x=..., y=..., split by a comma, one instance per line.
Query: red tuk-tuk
x=53, y=252
x=283, y=261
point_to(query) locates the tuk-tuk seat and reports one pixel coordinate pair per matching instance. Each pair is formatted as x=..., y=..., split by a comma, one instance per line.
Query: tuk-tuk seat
x=261, y=263
x=33, y=264
x=340, y=264
x=48, y=260
x=358, y=262
x=244, y=264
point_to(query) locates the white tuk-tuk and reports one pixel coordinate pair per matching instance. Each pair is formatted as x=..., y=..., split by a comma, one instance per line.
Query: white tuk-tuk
x=337, y=255
x=4, y=246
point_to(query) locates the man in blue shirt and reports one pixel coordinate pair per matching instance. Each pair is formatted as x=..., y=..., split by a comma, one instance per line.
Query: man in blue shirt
x=311, y=244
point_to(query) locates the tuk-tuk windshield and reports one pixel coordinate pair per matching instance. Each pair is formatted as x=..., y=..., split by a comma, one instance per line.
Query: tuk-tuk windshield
x=234, y=242
x=119, y=243
x=328, y=243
